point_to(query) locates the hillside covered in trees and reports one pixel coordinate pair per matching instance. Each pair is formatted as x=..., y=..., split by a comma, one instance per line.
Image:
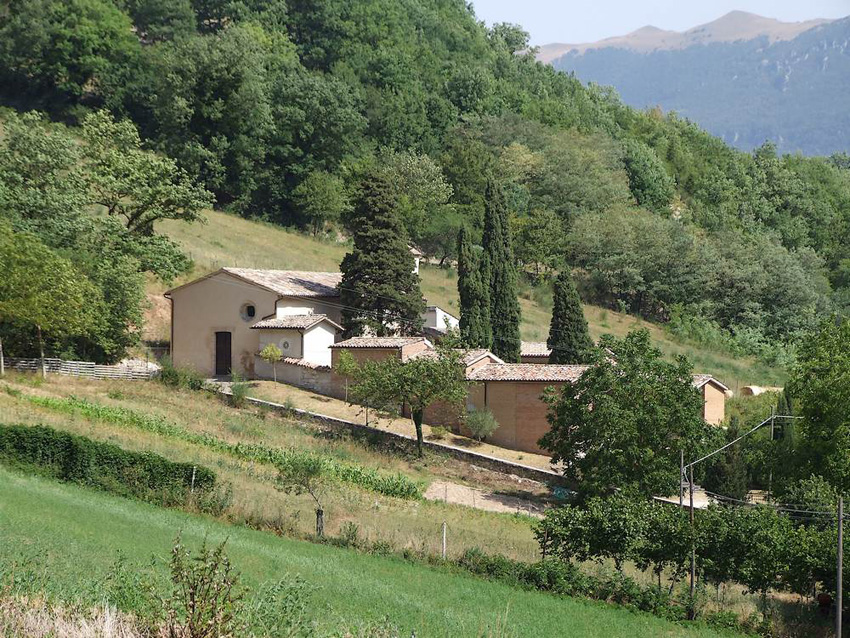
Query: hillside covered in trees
x=279, y=109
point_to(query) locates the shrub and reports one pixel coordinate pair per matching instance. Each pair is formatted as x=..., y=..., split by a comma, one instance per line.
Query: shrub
x=104, y=466
x=205, y=599
x=481, y=424
x=238, y=390
x=181, y=377
x=438, y=433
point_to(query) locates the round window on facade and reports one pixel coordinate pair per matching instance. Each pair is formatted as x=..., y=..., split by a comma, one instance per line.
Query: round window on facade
x=284, y=345
x=248, y=312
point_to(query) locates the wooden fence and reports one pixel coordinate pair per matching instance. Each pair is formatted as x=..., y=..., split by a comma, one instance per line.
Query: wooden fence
x=82, y=369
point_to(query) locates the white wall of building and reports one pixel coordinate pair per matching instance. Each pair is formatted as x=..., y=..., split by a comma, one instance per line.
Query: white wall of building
x=317, y=343
x=436, y=317
x=289, y=341
x=306, y=306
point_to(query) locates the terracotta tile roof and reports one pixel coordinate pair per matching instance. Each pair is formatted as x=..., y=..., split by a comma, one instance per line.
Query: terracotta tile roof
x=297, y=322
x=378, y=342
x=292, y=283
x=545, y=372
x=304, y=364
x=468, y=357
x=701, y=379
x=527, y=372
x=534, y=349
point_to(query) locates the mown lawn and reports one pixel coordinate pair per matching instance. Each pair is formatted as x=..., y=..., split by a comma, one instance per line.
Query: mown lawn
x=228, y=240
x=65, y=540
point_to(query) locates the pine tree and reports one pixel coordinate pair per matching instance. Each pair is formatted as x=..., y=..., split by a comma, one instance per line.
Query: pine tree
x=379, y=291
x=569, y=339
x=473, y=286
x=504, y=305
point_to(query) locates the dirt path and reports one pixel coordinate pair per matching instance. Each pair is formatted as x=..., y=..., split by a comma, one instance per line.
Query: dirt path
x=481, y=499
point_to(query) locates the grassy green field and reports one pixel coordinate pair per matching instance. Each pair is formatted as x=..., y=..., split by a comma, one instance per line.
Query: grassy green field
x=65, y=539
x=228, y=240
x=403, y=524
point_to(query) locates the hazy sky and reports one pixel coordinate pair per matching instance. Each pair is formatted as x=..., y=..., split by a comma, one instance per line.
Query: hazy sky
x=590, y=20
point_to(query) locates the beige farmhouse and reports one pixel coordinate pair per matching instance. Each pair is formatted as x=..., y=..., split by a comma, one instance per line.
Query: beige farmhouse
x=221, y=322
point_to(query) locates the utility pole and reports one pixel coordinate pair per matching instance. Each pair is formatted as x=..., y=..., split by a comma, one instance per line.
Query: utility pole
x=772, y=456
x=693, y=542
x=839, y=598
x=681, y=475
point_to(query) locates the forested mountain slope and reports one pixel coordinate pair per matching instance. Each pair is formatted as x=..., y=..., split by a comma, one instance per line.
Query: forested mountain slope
x=280, y=108
x=746, y=91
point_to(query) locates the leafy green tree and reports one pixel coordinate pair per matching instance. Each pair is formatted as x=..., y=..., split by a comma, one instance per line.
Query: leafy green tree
x=42, y=291
x=320, y=199
x=481, y=424
x=648, y=179
x=569, y=339
x=473, y=285
x=416, y=383
x=158, y=20
x=821, y=384
x=504, y=304
x=538, y=240
x=623, y=422
x=58, y=53
x=272, y=355
x=134, y=184
x=420, y=189
x=305, y=474
x=379, y=290
x=42, y=186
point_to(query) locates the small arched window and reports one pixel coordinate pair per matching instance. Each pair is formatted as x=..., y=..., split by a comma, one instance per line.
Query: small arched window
x=248, y=311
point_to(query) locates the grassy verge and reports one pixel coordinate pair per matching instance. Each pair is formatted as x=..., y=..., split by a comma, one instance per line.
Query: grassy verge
x=64, y=541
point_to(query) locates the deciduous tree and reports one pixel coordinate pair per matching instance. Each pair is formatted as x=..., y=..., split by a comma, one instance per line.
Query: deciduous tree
x=623, y=422
x=416, y=383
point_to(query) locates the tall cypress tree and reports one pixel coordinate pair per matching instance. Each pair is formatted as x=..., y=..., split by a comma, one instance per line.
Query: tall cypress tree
x=473, y=286
x=569, y=339
x=504, y=305
x=379, y=291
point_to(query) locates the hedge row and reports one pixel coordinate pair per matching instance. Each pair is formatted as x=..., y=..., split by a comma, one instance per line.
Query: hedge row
x=396, y=484
x=77, y=459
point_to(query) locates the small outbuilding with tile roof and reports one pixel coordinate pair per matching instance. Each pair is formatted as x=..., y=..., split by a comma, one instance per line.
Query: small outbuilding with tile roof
x=534, y=352
x=213, y=319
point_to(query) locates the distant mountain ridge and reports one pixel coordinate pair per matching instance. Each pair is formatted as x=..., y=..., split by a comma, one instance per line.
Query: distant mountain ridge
x=744, y=78
x=734, y=26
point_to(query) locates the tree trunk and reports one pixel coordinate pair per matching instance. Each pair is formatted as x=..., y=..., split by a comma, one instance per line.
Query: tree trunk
x=274, y=371
x=320, y=522
x=41, y=352
x=2, y=360
x=417, y=422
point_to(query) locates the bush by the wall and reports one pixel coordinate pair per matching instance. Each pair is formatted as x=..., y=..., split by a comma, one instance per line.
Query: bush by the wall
x=180, y=377
x=104, y=466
